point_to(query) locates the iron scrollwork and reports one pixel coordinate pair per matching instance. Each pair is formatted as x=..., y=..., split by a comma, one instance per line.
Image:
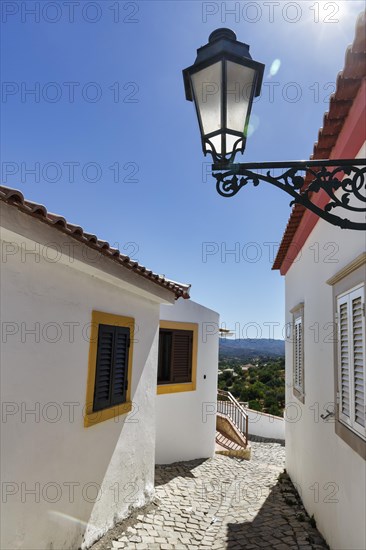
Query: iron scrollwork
x=328, y=176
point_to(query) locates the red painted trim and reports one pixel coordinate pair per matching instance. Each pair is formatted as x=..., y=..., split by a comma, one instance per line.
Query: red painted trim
x=349, y=143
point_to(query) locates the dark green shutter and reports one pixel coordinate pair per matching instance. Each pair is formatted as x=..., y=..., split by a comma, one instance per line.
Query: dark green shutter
x=121, y=349
x=165, y=356
x=111, y=369
x=182, y=356
x=103, y=376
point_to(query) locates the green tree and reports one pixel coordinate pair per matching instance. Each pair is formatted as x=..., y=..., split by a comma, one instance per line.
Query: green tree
x=255, y=405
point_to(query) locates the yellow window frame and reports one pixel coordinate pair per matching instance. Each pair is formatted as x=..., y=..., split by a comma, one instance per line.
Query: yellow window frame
x=100, y=318
x=182, y=386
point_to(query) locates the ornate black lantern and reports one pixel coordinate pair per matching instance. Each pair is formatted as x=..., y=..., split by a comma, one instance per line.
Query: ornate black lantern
x=222, y=83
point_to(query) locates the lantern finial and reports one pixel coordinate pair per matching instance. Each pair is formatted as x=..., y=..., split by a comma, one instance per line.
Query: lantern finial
x=222, y=33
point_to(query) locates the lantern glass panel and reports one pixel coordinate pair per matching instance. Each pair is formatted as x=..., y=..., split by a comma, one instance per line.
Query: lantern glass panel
x=206, y=85
x=216, y=142
x=230, y=143
x=240, y=82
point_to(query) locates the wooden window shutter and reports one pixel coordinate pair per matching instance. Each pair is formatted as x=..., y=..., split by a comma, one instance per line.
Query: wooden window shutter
x=103, y=376
x=344, y=358
x=298, y=356
x=112, y=364
x=120, y=366
x=358, y=352
x=182, y=356
x=165, y=354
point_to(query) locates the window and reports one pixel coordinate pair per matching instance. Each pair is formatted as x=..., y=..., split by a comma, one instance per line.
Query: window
x=349, y=352
x=110, y=366
x=298, y=352
x=177, y=357
x=111, y=369
x=351, y=359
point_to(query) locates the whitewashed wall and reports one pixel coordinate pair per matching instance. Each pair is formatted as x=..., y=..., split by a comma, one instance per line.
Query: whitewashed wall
x=186, y=421
x=265, y=425
x=329, y=474
x=50, y=452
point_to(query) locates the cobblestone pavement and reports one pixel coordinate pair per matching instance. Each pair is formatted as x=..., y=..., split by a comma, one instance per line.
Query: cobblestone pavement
x=221, y=503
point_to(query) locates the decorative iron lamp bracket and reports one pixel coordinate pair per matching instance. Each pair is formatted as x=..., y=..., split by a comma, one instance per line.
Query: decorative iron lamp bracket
x=326, y=175
x=222, y=83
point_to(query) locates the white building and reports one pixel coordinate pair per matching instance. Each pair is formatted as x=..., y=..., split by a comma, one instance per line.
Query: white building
x=325, y=270
x=186, y=411
x=79, y=360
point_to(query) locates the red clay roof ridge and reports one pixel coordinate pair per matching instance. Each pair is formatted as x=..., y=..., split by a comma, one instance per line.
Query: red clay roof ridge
x=15, y=198
x=348, y=83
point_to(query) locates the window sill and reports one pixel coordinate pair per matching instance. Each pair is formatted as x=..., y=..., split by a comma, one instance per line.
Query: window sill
x=300, y=396
x=92, y=418
x=355, y=441
x=175, y=388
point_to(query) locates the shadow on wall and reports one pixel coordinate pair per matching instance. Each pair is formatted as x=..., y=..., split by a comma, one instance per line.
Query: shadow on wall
x=95, y=458
x=281, y=520
x=119, y=453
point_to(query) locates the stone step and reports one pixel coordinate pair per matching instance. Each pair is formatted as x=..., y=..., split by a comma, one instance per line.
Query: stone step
x=226, y=442
x=228, y=447
x=260, y=439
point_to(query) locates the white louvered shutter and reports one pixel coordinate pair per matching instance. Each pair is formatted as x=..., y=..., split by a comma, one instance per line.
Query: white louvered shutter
x=358, y=352
x=351, y=360
x=344, y=359
x=298, y=354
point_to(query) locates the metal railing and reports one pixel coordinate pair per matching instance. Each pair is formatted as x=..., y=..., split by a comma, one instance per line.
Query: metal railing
x=230, y=407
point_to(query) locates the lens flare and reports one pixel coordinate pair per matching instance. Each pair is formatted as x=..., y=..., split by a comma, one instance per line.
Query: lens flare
x=252, y=126
x=275, y=67
x=60, y=516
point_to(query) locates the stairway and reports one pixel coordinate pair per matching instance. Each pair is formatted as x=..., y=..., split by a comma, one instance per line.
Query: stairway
x=231, y=427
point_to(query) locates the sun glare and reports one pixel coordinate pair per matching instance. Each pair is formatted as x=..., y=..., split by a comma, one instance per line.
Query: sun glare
x=275, y=67
x=332, y=19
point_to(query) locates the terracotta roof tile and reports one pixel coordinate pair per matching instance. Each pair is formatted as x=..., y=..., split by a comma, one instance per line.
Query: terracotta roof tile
x=331, y=126
x=15, y=198
x=347, y=87
x=348, y=84
x=326, y=141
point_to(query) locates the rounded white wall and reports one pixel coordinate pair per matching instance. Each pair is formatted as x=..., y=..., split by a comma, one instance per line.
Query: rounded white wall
x=186, y=421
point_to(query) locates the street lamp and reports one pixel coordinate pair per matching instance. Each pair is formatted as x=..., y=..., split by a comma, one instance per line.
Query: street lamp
x=222, y=83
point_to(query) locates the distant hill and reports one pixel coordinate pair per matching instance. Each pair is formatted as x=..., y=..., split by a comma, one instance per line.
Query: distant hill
x=250, y=348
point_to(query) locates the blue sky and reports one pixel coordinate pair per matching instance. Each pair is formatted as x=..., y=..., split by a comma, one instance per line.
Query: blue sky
x=114, y=146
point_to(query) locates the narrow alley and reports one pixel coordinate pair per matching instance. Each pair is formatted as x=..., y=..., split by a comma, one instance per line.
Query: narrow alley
x=220, y=503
